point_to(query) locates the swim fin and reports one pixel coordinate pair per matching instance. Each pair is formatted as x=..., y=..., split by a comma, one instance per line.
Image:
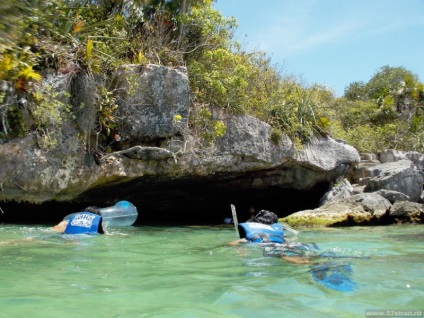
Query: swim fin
x=334, y=276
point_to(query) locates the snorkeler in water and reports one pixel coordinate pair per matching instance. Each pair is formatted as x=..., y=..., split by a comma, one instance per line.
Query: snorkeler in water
x=95, y=220
x=87, y=222
x=265, y=230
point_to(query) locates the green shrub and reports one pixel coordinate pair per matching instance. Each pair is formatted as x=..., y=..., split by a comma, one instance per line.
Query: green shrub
x=276, y=135
x=205, y=126
x=95, y=37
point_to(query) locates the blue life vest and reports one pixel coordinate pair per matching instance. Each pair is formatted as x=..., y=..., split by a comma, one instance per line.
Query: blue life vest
x=261, y=233
x=84, y=223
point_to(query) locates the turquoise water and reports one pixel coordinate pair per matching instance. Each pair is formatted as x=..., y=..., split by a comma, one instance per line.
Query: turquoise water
x=191, y=272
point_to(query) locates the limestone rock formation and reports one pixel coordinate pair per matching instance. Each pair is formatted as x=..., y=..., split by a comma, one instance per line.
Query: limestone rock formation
x=401, y=176
x=407, y=212
x=158, y=155
x=149, y=98
x=382, y=195
x=359, y=209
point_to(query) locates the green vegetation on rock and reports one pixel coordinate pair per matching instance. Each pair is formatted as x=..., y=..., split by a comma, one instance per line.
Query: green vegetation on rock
x=386, y=112
x=95, y=37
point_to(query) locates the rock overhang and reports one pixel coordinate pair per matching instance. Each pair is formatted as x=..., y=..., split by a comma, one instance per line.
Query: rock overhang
x=244, y=165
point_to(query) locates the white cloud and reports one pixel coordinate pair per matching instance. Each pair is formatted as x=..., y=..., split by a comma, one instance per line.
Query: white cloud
x=293, y=40
x=301, y=26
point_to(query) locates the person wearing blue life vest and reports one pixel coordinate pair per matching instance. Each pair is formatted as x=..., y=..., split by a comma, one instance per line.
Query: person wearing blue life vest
x=261, y=228
x=87, y=222
x=265, y=230
x=95, y=220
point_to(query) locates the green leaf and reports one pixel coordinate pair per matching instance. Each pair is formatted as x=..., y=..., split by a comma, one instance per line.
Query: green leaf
x=89, y=49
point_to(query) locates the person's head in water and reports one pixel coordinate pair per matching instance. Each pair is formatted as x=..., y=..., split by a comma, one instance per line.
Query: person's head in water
x=266, y=217
x=93, y=209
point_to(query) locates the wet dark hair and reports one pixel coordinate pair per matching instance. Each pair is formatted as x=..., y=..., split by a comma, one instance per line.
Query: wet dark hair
x=93, y=209
x=265, y=217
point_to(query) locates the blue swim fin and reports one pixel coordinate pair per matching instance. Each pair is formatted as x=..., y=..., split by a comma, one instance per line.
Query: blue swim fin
x=334, y=276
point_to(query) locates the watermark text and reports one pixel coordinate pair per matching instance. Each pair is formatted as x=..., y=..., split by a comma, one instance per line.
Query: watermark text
x=394, y=313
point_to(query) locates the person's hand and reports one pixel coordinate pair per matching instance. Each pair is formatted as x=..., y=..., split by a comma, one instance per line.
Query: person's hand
x=237, y=242
x=60, y=227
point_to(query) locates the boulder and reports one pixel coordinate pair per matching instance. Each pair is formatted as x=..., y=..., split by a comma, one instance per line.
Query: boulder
x=369, y=157
x=417, y=158
x=247, y=144
x=401, y=176
x=340, y=190
x=407, y=212
x=359, y=209
x=358, y=174
x=391, y=155
x=393, y=196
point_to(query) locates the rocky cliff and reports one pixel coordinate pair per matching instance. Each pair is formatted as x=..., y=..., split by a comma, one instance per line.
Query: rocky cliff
x=161, y=164
x=388, y=190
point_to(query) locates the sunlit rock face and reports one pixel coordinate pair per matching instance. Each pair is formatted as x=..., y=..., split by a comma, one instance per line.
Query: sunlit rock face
x=388, y=191
x=162, y=166
x=402, y=176
x=149, y=99
x=358, y=209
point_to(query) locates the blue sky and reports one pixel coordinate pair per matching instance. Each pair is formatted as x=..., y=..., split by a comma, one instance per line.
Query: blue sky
x=332, y=42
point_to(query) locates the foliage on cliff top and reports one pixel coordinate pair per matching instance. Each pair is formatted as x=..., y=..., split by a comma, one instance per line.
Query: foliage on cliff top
x=386, y=112
x=96, y=36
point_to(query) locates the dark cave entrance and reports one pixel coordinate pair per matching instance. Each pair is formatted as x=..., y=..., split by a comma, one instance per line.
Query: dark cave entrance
x=174, y=203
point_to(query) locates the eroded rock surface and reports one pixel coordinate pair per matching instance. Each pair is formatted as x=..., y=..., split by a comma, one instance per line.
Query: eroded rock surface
x=157, y=155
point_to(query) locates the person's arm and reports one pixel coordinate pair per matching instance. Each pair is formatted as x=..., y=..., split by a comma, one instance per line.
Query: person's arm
x=237, y=242
x=60, y=227
x=296, y=259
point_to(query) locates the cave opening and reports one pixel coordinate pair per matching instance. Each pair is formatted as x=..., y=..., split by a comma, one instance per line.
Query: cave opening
x=174, y=204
